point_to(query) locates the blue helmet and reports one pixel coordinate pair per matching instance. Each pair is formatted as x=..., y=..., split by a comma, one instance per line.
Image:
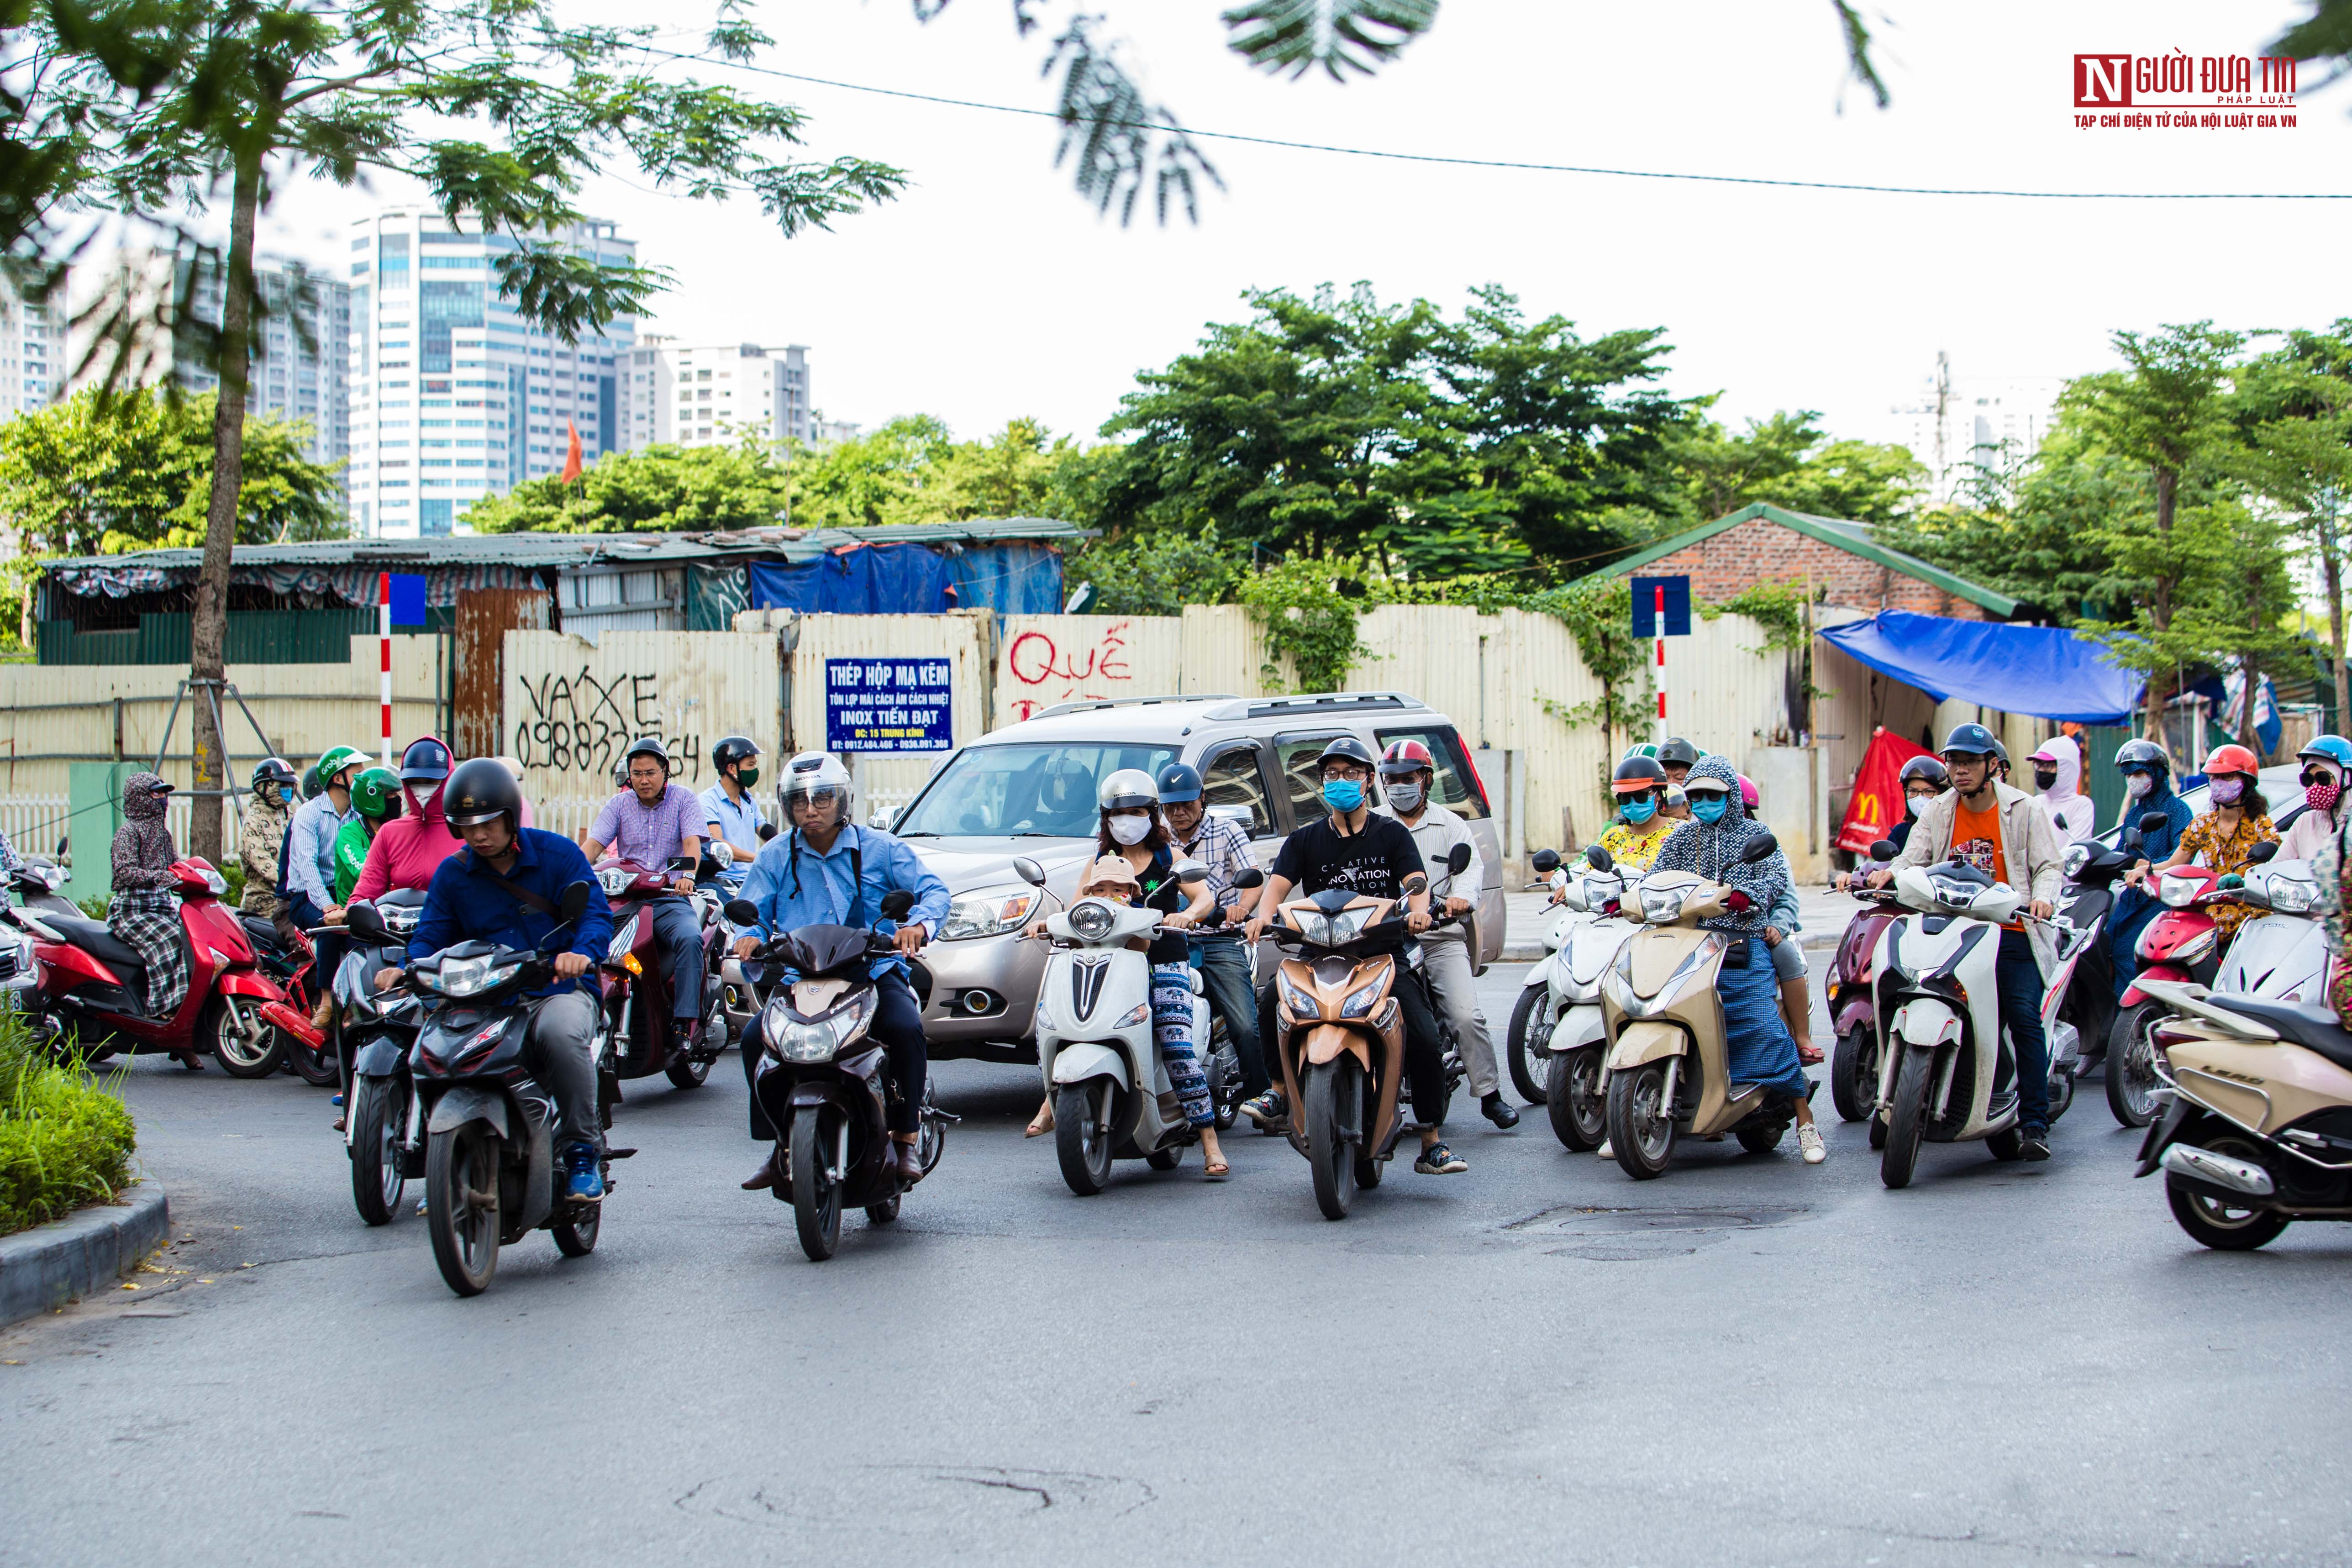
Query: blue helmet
x=1966, y=739
x=2328, y=749
x=1179, y=782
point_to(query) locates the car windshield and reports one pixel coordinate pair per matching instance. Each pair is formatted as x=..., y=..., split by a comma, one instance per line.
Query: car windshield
x=1044, y=790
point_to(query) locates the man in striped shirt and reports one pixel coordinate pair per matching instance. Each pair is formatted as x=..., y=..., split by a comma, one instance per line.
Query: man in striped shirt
x=1221, y=957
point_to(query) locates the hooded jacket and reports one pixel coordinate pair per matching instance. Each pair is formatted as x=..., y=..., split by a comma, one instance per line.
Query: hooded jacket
x=409, y=848
x=260, y=845
x=1711, y=850
x=2070, y=811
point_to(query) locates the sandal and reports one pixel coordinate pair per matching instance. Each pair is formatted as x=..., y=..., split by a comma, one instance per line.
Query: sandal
x=1041, y=1123
x=1809, y=1056
x=1218, y=1169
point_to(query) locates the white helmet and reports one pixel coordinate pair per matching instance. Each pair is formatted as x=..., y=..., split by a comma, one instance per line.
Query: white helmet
x=817, y=775
x=1126, y=789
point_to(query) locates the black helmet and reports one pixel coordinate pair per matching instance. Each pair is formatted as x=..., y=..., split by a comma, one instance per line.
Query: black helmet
x=1678, y=752
x=1179, y=782
x=310, y=785
x=1349, y=748
x=733, y=749
x=1635, y=775
x=1970, y=739
x=649, y=746
x=273, y=770
x=479, y=791
x=2143, y=754
x=1927, y=768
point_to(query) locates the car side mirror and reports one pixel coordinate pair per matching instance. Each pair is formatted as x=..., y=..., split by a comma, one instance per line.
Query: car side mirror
x=881, y=818
x=1599, y=859
x=1883, y=850
x=1253, y=877
x=1416, y=883
x=767, y=831
x=896, y=903
x=2154, y=822
x=743, y=911
x=1029, y=871
x=1457, y=859
x=1192, y=871
x=2267, y=850
x=1544, y=862
x=1762, y=848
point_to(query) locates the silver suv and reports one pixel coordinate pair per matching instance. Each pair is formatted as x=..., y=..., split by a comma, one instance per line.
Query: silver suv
x=1030, y=789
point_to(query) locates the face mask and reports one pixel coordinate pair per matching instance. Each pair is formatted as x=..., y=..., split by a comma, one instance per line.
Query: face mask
x=747, y=777
x=2226, y=792
x=1406, y=796
x=1709, y=807
x=1912, y=802
x=1130, y=829
x=418, y=794
x=1342, y=795
x=1638, y=811
x=2045, y=781
x=2138, y=784
x=2322, y=798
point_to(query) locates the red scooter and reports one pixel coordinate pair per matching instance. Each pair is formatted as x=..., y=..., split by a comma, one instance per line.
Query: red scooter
x=2183, y=945
x=636, y=988
x=92, y=984
x=1853, y=1061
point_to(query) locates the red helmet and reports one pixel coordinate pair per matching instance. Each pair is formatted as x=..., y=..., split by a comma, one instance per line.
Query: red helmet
x=2232, y=760
x=1404, y=757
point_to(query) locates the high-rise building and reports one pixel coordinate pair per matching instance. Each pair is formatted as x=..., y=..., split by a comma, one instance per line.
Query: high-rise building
x=832, y=432
x=167, y=298
x=1970, y=432
x=714, y=395
x=33, y=347
x=455, y=396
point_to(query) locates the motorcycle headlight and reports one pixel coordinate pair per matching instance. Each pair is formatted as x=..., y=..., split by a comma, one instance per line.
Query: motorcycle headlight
x=615, y=880
x=992, y=911
x=1330, y=931
x=1359, y=1001
x=470, y=976
x=2078, y=855
x=1295, y=998
x=1954, y=895
x=823, y=1040
x=1090, y=920
x=1134, y=1016
x=1659, y=907
x=400, y=919
x=2179, y=892
x=623, y=940
x=2290, y=896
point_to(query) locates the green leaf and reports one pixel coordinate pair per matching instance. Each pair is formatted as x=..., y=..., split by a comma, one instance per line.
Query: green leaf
x=1341, y=35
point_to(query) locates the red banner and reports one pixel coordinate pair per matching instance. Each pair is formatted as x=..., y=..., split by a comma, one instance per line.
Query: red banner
x=1877, y=802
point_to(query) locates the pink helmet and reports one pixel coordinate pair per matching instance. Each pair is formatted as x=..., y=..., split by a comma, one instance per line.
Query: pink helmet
x=1748, y=795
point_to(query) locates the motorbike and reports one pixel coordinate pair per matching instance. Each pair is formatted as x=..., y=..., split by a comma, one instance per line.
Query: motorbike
x=1530, y=1071
x=295, y=968
x=488, y=1126
x=92, y=984
x=1667, y=1069
x=1559, y=1014
x=822, y=1080
x=637, y=1010
x=383, y=1132
x=2078, y=1001
x=2256, y=1131
x=35, y=882
x=2183, y=944
x=1846, y=987
x=2282, y=953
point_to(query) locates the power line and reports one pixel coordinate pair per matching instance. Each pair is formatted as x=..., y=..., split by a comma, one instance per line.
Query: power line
x=1528, y=167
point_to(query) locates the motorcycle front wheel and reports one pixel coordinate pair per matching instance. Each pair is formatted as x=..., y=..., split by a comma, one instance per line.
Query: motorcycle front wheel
x=2131, y=1076
x=461, y=1206
x=1532, y=1066
x=1580, y=1103
x=376, y=1181
x=1854, y=1074
x=1640, y=1124
x=816, y=1197
x=1330, y=1157
x=1082, y=1144
x=1906, y=1116
x=239, y=1055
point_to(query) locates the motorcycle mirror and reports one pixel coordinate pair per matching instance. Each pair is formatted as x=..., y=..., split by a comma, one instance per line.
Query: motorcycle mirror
x=1598, y=858
x=2154, y=822
x=1414, y=884
x=767, y=831
x=681, y=862
x=1883, y=850
x=573, y=903
x=1029, y=871
x=896, y=903
x=1253, y=877
x=743, y=911
x=1763, y=846
x=1545, y=862
x=1192, y=871
x=361, y=919
x=2267, y=850
x=1457, y=859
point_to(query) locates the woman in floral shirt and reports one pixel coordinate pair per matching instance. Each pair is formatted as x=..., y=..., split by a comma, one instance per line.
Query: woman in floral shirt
x=2223, y=838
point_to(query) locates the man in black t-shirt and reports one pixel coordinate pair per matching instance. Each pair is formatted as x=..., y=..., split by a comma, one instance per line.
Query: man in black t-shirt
x=1355, y=849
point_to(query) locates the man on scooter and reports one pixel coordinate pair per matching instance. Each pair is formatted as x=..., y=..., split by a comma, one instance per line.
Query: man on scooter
x=825, y=871
x=650, y=823
x=1983, y=823
x=505, y=887
x=1355, y=849
x=2147, y=788
x=734, y=811
x=1223, y=960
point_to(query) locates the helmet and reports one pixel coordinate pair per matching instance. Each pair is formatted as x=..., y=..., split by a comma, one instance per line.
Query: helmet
x=424, y=759
x=2232, y=760
x=1928, y=768
x=2333, y=749
x=480, y=790
x=1677, y=799
x=1640, y=749
x=733, y=749
x=647, y=746
x=278, y=770
x=1179, y=782
x=1347, y=748
x=2143, y=754
x=337, y=758
x=2000, y=752
x=1678, y=752
x=311, y=787
x=1635, y=775
x=819, y=775
x=1404, y=757
x=1748, y=795
x=1970, y=739
x=375, y=794
x=1126, y=789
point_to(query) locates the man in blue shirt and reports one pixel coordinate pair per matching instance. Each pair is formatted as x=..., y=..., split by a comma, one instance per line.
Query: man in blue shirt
x=733, y=811
x=825, y=871
x=505, y=887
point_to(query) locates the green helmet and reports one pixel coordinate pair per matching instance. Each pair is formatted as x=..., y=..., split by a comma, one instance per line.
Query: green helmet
x=337, y=758
x=375, y=794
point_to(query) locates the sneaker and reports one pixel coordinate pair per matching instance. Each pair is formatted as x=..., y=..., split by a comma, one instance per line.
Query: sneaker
x=1268, y=1110
x=1809, y=1144
x=1605, y=1151
x=586, y=1183
x=1504, y=1116
x=2035, y=1144
x=1437, y=1160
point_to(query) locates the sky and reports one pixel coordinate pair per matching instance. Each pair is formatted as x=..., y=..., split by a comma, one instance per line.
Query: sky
x=990, y=291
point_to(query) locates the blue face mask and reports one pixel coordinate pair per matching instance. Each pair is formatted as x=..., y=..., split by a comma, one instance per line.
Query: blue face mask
x=1343, y=794
x=1638, y=811
x=1709, y=807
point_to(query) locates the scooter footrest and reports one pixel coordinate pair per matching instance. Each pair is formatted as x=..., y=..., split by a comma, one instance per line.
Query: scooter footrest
x=619, y=1153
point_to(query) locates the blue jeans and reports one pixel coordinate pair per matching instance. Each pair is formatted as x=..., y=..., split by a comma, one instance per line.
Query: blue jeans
x=2019, y=981
x=1224, y=965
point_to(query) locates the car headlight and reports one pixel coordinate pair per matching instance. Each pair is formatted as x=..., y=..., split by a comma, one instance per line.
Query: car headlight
x=1660, y=905
x=1090, y=920
x=2290, y=896
x=471, y=976
x=990, y=911
x=623, y=940
x=615, y=880
x=1295, y=998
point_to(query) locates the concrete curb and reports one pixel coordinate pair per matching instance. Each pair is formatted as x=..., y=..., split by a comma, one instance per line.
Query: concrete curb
x=89, y=1249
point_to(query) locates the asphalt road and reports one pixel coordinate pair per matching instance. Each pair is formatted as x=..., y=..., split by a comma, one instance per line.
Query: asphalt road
x=1747, y=1361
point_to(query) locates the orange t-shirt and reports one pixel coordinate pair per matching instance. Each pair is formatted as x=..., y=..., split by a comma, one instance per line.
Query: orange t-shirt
x=1976, y=841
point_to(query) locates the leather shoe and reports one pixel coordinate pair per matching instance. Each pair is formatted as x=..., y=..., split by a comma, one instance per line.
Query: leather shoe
x=908, y=1159
x=765, y=1176
x=1499, y=1111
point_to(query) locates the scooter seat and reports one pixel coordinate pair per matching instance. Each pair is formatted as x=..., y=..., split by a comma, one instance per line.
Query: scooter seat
x=98, y=940
x=263, y=933
x=2314, y=1029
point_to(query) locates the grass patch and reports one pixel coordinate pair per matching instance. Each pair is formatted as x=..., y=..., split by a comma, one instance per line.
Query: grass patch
x=65, y=1137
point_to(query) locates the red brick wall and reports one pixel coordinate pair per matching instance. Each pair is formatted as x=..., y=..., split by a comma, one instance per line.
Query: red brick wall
x=1762, y=550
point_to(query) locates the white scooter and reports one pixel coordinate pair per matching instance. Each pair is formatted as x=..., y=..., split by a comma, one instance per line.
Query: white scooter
x=2281, y=954
x=1941, y=1046
x=1112, y=1097
x=1558, y=1023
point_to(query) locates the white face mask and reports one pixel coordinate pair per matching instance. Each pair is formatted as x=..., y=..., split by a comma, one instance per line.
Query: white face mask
x=1130, y=829
x=2138, y=784
x=1912, y=802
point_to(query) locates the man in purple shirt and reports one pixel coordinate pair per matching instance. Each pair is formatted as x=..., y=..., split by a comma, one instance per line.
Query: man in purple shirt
x=652, y=822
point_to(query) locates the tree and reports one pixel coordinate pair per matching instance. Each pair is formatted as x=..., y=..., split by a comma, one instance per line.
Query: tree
x=1155, y=574
x=1790, y=462
x=500, y=107
x=889, y=476
x=1011, y=474
x=655, y=489
x=2297, y=401
x=103, y=473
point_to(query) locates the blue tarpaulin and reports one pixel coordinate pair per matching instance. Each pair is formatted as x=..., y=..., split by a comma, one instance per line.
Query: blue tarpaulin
x=862, y=580
x=2044, y=671
x=1013, y=579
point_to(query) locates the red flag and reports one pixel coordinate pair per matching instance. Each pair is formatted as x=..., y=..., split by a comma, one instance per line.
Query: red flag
x=572, y=457
x=1877, y=802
